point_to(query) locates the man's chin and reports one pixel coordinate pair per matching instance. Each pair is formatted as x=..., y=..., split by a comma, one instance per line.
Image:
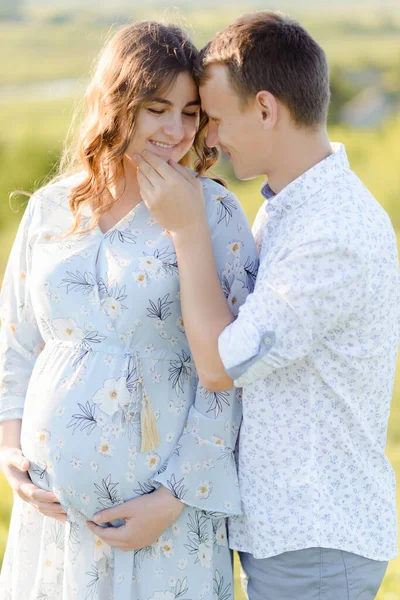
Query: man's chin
x=243, y=174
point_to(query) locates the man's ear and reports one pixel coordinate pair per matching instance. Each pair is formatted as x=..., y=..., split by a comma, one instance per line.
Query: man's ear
x=267, y=107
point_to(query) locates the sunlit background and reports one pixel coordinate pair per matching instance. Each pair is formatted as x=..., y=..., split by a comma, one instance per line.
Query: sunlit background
x=47, y=49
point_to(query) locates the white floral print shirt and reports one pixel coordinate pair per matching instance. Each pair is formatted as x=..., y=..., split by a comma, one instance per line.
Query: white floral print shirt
x=315, y=348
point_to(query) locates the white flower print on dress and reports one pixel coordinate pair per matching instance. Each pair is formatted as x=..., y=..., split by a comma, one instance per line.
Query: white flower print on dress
x=220, y=536
x=167, y=547
x=42, y=437
x=60, y=411
x=67, y=329
x=133, y=452
x=237, y=296
x=219, y=441
x=101, y=549
x=234, y=248
x=109, y=360
x=152, y=266
x=204, y=554
x=112, y=307
x=180, y=324
x=53, y=559
x=113, y=396
x=153, y=460
x=186, y=468
x=76, y=463
x=176, y=530
x=204, y=489
x=105, y=448
x=182, y=564
x=140, y=278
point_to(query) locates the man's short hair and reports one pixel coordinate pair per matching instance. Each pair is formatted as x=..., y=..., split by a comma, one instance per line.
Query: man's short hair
x=269, y=51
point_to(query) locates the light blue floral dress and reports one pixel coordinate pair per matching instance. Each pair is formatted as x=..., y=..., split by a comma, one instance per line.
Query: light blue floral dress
x=91, y=328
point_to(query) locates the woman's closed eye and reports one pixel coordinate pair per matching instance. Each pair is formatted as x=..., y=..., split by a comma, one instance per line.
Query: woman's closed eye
x=155, y=111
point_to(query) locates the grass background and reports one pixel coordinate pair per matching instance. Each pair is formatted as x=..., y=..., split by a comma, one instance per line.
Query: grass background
x=51, y=42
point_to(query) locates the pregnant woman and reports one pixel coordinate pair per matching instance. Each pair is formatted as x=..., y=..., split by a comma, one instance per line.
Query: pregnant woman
x=100, y=404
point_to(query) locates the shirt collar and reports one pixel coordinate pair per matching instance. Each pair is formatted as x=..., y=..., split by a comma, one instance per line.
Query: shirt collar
x=309, y=183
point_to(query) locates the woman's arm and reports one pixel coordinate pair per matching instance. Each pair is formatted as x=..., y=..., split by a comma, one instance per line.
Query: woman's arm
x=20, y=341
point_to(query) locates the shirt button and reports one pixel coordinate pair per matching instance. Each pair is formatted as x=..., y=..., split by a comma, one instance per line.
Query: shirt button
x=267, y=340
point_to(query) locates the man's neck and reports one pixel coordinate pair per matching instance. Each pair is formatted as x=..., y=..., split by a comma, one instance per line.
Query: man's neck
x=299, y=152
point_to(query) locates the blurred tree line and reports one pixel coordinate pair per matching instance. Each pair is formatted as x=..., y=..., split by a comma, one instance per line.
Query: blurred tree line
x=12, y=10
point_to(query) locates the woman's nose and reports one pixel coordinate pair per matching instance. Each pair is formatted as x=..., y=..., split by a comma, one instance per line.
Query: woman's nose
x=174, y=129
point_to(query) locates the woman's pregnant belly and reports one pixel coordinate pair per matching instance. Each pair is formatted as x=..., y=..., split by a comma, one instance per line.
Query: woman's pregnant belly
x=81, y=429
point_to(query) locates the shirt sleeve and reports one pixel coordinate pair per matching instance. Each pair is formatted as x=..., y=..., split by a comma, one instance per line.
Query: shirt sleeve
x=297, y=300
x=20, y=339
x=201, y=471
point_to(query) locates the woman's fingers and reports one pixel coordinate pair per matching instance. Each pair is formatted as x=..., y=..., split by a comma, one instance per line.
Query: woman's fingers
x=183, y=171
x=146, y=189
x=15, y=458
x=148, y=170
x=158, y=164
x=113, y=536
x=31, y=493
x=49, y=509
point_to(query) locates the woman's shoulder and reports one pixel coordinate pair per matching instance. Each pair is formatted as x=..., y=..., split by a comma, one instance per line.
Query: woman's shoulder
x=56, y=192
x=222, y=205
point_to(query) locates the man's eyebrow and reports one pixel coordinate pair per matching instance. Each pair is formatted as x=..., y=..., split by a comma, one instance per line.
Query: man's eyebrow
x=164, y=101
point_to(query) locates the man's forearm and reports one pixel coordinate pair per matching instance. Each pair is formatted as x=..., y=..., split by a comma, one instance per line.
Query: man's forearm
x=205, y=310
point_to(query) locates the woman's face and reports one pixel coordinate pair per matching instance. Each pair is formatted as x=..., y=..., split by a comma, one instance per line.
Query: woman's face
x=167, y=124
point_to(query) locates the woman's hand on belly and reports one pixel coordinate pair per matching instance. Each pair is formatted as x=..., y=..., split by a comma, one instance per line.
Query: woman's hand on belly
x=146, y=519
x=15, y=467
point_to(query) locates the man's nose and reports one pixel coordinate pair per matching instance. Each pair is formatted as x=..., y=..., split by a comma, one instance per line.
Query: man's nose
x=212, y=135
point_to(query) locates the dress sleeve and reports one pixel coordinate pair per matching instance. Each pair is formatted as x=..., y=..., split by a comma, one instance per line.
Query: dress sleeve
x=20, y=339
x=201, y=472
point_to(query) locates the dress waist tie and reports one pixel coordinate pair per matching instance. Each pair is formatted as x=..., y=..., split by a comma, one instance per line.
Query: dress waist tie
x=123, y=573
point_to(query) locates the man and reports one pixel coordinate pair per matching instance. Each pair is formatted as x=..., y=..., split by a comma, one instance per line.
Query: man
x=314, y=347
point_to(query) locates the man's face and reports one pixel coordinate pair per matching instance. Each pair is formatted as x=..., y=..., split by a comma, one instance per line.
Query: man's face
x=235, y=129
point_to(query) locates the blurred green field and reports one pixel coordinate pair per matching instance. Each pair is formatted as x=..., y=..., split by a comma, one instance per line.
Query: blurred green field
x=32, y=132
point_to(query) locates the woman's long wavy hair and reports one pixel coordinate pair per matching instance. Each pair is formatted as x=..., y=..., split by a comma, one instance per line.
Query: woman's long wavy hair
x=139, y=61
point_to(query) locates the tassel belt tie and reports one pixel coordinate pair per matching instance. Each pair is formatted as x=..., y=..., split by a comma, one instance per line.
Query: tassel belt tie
x=148, y=424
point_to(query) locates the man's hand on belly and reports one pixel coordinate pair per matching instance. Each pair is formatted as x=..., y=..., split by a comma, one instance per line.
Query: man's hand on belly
x=146, y=519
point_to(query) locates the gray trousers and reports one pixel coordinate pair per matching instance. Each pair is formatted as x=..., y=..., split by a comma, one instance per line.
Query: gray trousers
x=312, y=574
